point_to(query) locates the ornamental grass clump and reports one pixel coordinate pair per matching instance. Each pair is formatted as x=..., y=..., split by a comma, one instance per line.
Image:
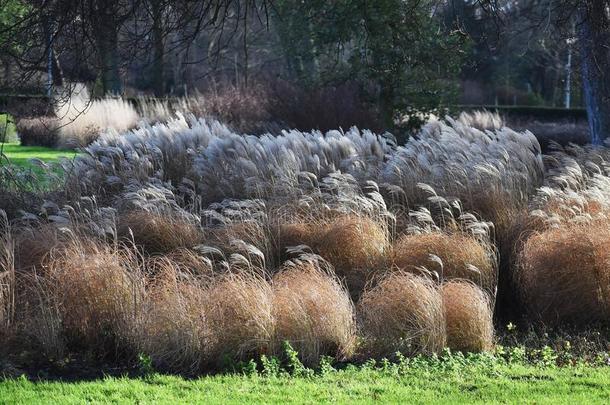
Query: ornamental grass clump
x=313, y=311
x=97, y=290
x=451, y=256
x=239, y=310
x=173, y=328
x=564, y=273
x=158, y=233
x=468, y=317
x=356, y=246
x=402, y=313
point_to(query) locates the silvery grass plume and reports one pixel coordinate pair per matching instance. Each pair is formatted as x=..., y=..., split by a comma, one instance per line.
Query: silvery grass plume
x=82, y=119
x=224, y=164
x=482, y=120
x=255, y=167
x=461, y=161
x=577, y=186
x=162, y=152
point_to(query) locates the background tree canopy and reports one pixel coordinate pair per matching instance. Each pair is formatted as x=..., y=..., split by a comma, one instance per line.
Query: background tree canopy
x=405, y=57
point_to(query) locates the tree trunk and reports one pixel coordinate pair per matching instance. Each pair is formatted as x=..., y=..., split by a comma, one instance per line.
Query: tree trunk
x=109, y=62
x=105, y=26
x=386, y=105
x=594, y=37
x=158, y=68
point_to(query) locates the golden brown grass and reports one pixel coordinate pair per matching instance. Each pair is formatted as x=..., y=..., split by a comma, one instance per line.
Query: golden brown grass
x=239, y=308
x=468, y=317
x=33, y=245
x=403, y=312
x=564, y=273
x=313, y=312
x=158, y=233
x=356, y=247
x=462, y=257
x=294, y=234
x=96, y=290
x=173, y=328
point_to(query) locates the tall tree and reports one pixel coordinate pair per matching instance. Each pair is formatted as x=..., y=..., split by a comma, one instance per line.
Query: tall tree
x=397, y=50
x=594, y=38
x=591, y=21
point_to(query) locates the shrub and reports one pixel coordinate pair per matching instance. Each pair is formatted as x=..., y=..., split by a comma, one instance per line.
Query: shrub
x=39, y=131
x=356, y=247
x=564, y=273
x=468, y=317
x=461, y=257
x=239, y=308
x=313, y=312
x=158, y=233
x=404, y=313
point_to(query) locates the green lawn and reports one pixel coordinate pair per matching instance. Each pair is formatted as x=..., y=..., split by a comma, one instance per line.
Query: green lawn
x=470, y=383
x=20, y=155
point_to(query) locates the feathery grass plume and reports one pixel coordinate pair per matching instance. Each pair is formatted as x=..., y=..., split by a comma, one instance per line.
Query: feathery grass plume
x=82, y=119
x=247, y=166
x=33, y=245
x=492, y=173
x=7, y=277
x=402, y=312
x=451, y=256
x=468, y=317
x=564, y=273
x=313, y=311
x=173, y=328
x=163, y=152
x=242, y=228
x=356, y=246
x=577, y=186
x=97, y=290
x=482, y=120
x=239, y=309
x=158, y=233
x=458, y=160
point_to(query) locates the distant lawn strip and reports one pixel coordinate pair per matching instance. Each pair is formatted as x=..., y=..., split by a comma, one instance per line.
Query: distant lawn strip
x=443, y=383
x=21, y=155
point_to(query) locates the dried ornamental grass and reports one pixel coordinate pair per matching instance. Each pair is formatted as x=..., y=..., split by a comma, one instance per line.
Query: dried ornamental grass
x=239, y=308
x=313, y=312
x=174, y=331
x=97, y=291
x=404, y=313
x=461, y=257
x=468, y=317
x=157, y=232
x=295, y=234
x=564, y=273
x=356, y=247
